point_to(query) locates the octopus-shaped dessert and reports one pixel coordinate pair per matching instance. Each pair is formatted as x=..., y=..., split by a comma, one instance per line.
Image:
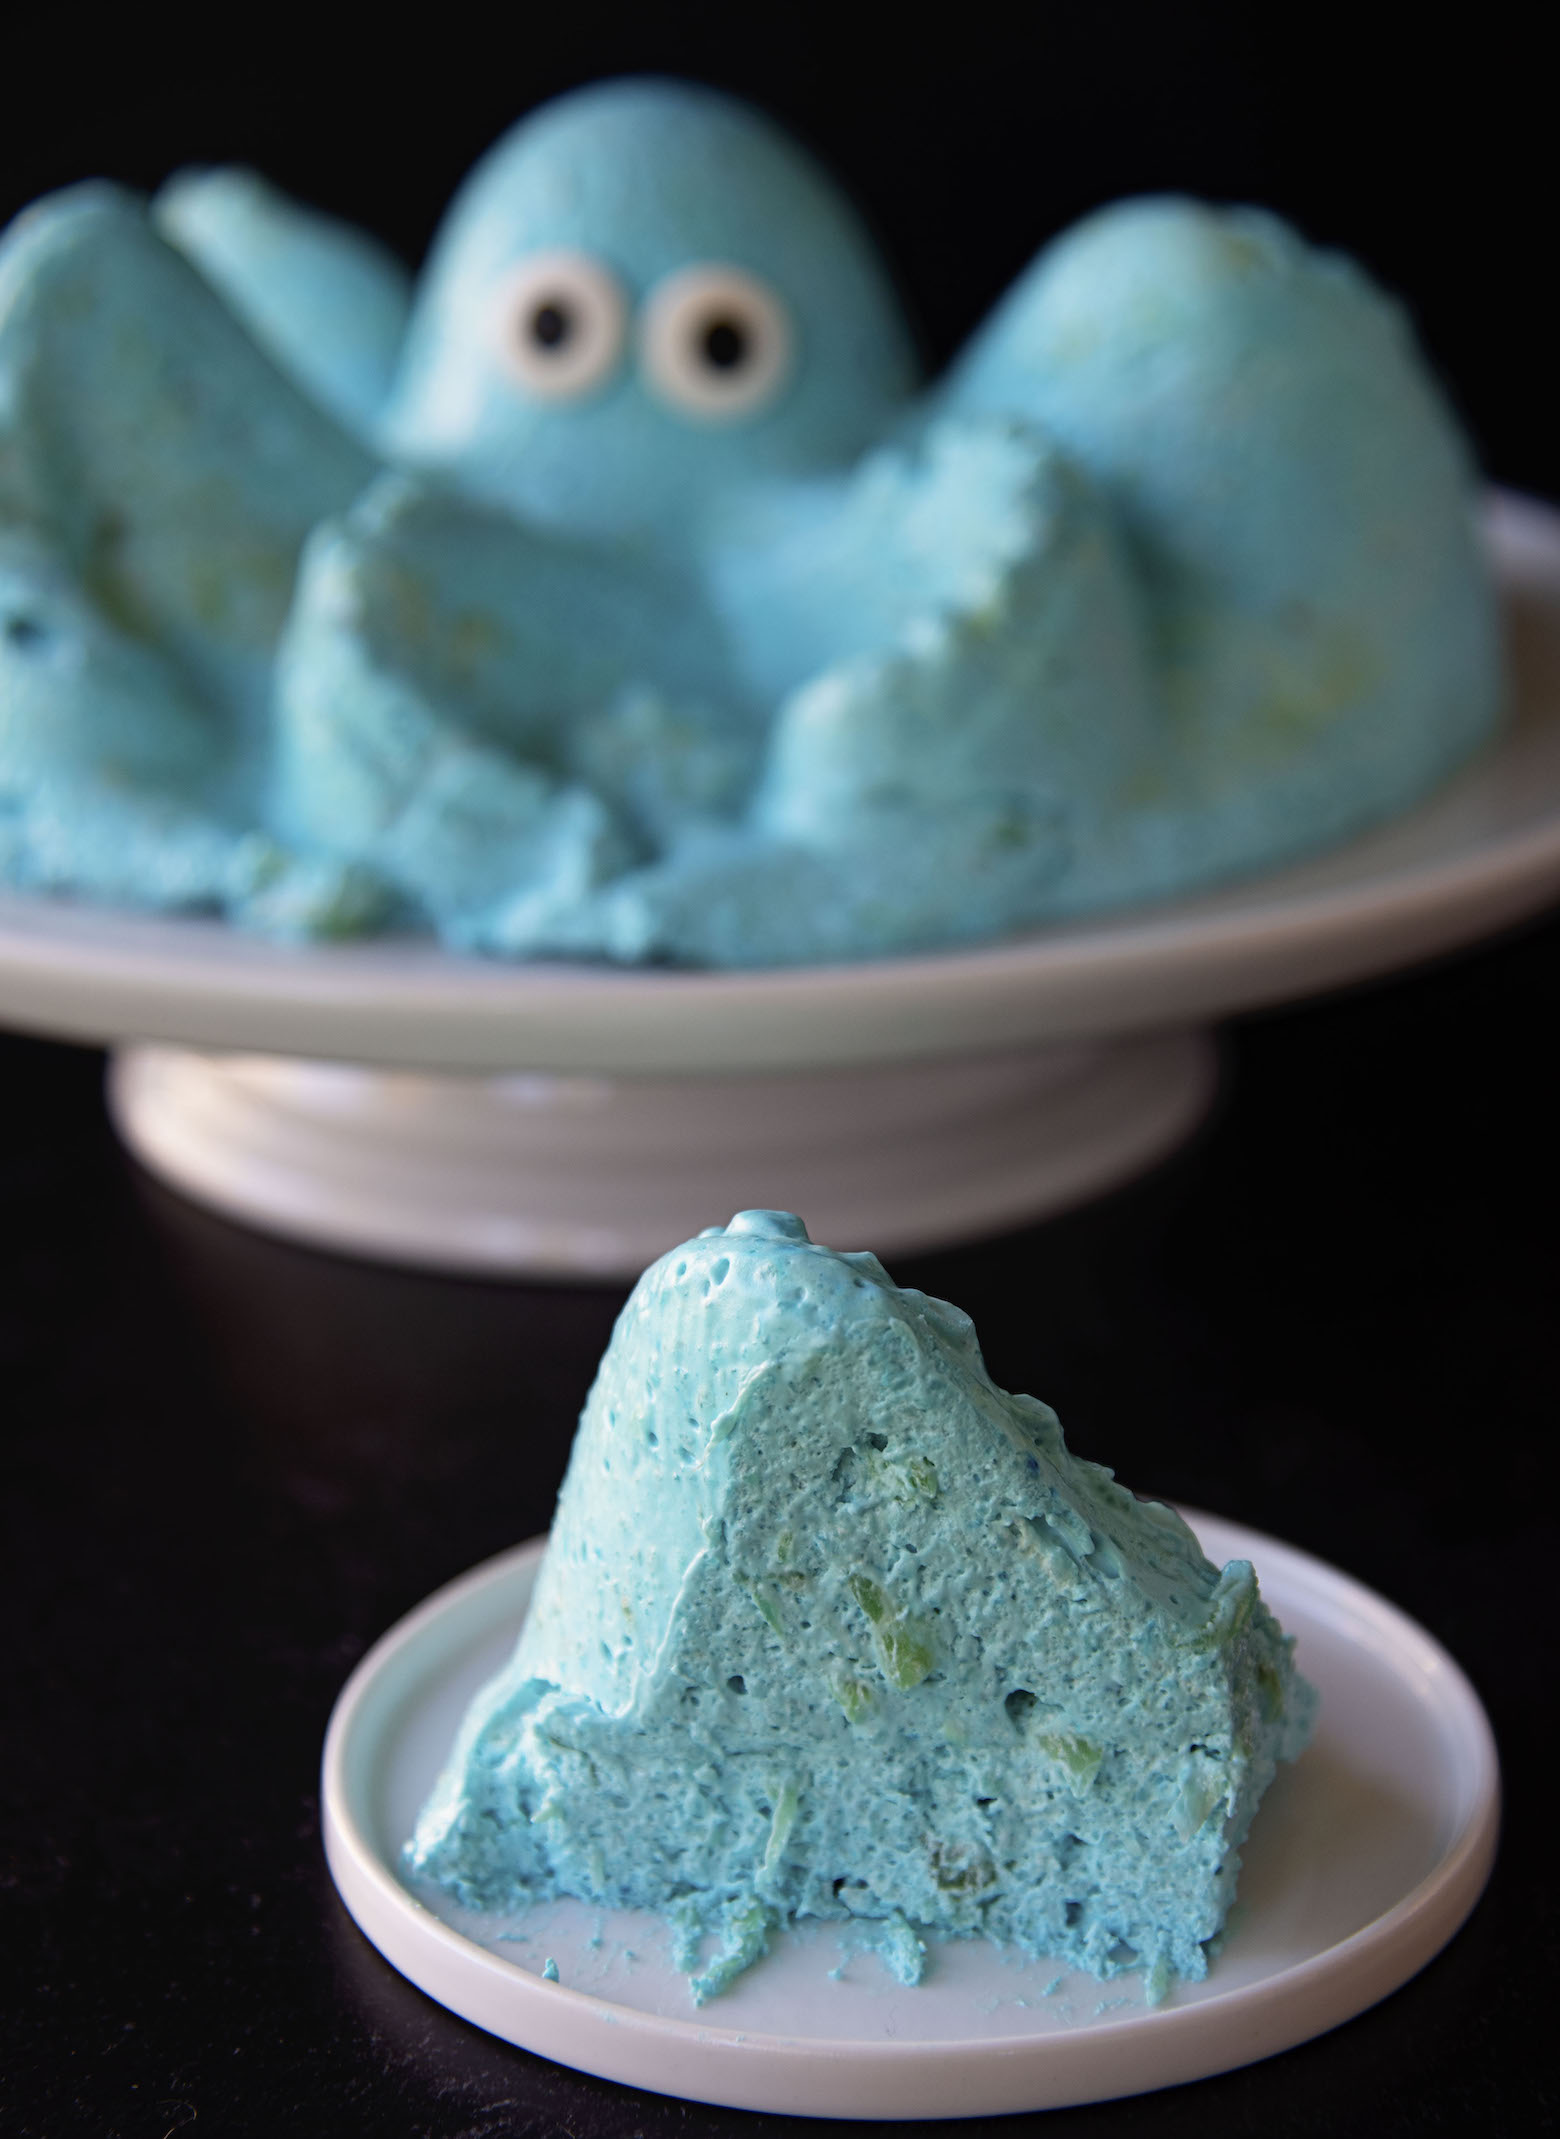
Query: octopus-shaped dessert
x=620, y=590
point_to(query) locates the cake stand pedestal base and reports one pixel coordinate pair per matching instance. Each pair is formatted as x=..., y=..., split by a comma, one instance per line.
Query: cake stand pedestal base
x=593, y=1177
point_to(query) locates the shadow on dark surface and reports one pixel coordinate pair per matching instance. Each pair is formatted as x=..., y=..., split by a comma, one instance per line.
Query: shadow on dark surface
x=230, y=1464
x=371, y=1394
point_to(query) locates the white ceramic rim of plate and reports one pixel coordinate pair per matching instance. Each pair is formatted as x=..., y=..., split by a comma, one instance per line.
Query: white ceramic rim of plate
x=875, y=2080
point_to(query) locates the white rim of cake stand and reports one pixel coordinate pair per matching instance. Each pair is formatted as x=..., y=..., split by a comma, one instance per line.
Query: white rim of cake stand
x=1480, y=853
x=903, y=2079
x=590, y=1179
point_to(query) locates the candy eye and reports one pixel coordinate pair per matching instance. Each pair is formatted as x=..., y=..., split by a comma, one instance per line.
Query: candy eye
x=560, y=323
x=716, y=343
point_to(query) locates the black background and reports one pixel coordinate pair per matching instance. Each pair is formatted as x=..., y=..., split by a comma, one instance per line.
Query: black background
x=227, y=1465
x=968, y=136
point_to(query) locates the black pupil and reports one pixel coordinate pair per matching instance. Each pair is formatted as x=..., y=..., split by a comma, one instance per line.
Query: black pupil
x=551, y=325
x=725, y=344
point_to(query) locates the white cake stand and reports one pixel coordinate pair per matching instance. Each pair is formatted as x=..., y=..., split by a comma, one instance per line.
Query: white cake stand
x=391, y=1100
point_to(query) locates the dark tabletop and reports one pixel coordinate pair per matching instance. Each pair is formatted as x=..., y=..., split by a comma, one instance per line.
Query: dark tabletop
x=230, y=1464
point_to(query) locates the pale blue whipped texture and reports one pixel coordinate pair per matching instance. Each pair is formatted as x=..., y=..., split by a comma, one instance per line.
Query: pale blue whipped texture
x=158, y=478
x=328, y=303
x=830, y=1626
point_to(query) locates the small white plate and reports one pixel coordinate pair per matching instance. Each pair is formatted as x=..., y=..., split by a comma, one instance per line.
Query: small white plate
x=1365, y=1857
